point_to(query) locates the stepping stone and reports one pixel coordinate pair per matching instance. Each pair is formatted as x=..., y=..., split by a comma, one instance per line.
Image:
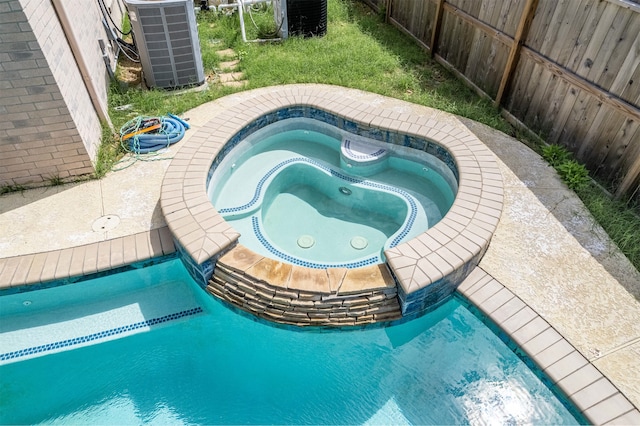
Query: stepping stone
x=236, y=83
x=226, y=53
x=229, y=65
x=226, y=77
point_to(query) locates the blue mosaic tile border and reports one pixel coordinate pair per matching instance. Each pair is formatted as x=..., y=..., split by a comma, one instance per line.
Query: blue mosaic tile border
x=200, y=273
x=296, y=261
x=100, y=335
x=300, y=111
x=401, y=193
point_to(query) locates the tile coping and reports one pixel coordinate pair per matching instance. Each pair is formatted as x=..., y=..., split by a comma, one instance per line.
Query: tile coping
x=592, y=393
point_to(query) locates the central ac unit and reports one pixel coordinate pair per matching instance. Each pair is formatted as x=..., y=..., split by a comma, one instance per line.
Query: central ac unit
x=300, y=17
x=166, y=35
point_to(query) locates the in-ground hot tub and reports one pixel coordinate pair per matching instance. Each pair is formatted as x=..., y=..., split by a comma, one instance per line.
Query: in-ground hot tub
x=314, y=195
x=423, y=266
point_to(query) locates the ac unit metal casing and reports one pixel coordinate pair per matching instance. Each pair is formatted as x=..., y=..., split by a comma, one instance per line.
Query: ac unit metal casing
x=166, y=35
x=280, y=15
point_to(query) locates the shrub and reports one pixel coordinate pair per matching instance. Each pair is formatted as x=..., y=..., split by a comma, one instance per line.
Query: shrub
x=574, y=174
x=555, y=155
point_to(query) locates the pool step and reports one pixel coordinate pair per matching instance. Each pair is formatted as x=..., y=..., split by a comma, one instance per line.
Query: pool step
x=29, y=335
x=294, y=295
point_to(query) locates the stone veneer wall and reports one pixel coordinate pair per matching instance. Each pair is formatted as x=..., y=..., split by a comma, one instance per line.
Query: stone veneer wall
x=48, y=124
x=300, y=296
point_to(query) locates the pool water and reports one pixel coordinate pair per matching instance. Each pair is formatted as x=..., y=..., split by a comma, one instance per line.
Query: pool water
x=332, y=220
x=220, y=367
x=290, y=193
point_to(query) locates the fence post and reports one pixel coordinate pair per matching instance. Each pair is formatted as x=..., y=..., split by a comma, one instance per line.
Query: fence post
x=521, y=33
x=436, y=26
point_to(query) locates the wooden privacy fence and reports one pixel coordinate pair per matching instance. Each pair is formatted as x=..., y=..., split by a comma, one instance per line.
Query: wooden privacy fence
x=569, y=70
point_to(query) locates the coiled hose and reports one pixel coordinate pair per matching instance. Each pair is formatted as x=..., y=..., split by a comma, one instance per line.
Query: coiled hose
x=148, y=134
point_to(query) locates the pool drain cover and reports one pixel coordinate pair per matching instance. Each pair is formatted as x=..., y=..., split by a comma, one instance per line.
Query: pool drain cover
x=359, y=243
x=306, y=241
x=106, y=223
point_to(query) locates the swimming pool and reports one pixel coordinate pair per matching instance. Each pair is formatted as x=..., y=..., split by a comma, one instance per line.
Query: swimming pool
x=215, y=366
x=306, y=192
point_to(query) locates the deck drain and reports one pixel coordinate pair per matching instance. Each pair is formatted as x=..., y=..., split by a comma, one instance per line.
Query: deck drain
x=106, y=223
x=306, y=241
x=359, y=243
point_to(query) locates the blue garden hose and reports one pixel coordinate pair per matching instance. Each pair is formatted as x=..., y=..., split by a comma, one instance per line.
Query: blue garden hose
x=172, y=129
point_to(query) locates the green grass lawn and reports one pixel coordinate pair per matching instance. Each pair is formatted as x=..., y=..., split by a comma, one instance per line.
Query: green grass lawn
x=359, y=51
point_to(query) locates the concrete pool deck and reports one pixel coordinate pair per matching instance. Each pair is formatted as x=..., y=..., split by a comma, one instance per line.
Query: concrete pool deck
x=549, y=271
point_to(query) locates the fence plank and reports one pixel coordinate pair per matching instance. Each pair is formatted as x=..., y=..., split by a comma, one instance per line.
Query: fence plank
x=612, y=162
x=518, y=93
x=632, y=62
x=600, y=137
x=596, y=40
x=582, y=43
x=631, y=178
x=416, y=19
x=623, y=60
x=465, y=33
x=570, y=39
x=507, y=9
x=555, y=22
x=581, y=118
x=564, y=111
x=445, y=42
x=612, y=39
x=540, y=24
x=533, y=111
x=470, y=7
x=486, y=10
x=514, y=13
x=557, y=95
